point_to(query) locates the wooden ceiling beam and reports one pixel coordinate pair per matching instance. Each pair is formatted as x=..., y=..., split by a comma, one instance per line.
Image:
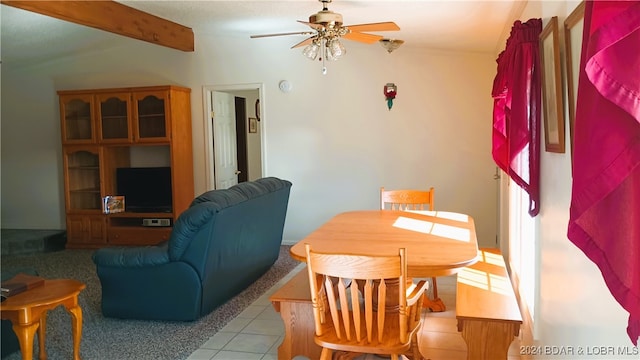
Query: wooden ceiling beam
x=116, y=18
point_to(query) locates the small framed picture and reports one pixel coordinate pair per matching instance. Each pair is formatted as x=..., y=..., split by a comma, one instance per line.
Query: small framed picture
x=112, y=204
x=573, y=42
x=253, y=125
x=552, y=88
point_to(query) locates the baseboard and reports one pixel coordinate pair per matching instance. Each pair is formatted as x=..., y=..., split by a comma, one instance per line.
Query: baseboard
x=289, y=242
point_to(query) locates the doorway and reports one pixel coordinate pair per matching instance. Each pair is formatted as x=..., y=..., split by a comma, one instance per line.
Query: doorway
x=233, y=139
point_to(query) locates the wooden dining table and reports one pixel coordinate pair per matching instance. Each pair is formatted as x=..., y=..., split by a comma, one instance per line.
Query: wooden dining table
x=438, y=243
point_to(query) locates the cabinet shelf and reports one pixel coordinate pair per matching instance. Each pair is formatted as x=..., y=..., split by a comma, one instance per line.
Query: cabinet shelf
x=160, y=215
x=138, y=221
x=76, y=112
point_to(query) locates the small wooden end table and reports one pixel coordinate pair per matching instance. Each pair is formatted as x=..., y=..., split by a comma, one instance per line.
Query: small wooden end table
x=28, y=313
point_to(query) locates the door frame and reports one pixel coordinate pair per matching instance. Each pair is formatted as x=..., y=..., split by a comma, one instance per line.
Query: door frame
x=210, y=180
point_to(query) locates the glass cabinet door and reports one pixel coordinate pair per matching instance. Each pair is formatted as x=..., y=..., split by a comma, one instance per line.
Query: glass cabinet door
x=114, y=115
x=82, y=178
x=76, y=114
x=150, y=109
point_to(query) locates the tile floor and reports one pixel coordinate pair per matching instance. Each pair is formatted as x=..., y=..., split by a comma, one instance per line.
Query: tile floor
x=257, y=332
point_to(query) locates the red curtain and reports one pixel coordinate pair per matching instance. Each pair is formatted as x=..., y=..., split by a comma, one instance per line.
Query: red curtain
x=605, y=204
x=516, y=110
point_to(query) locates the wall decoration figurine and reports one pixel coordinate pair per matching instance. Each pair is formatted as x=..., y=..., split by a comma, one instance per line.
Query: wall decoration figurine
x=390, y=91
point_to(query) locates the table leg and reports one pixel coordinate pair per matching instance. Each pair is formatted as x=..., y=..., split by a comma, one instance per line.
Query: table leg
x=436, y=304
x=25, y=335
x=76, y=328
x=42, y=330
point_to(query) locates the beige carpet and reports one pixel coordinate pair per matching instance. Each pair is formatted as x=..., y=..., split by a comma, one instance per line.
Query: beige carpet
x=116, y=339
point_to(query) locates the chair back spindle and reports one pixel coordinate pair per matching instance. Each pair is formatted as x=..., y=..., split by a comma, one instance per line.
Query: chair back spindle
x=360, y=302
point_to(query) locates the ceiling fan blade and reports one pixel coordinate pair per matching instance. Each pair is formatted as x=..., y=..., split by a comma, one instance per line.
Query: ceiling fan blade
x=283, y=34
x=304, y=42
x=362, y=37
x=314, y=26
x=382, y=26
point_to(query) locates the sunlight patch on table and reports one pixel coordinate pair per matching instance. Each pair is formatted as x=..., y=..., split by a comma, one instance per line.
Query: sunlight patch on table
x=427, y=227
x=443, y=215
x=451, y=232
x=414, y=224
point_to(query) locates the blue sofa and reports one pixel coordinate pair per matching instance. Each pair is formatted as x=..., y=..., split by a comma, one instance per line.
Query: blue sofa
x=219, y=246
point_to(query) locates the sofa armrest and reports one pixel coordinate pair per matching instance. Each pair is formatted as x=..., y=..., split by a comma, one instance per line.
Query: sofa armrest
x=132, y=257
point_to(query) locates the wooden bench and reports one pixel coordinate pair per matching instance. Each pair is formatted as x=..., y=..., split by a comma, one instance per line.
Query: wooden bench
x=486, y=307
x=293, y=302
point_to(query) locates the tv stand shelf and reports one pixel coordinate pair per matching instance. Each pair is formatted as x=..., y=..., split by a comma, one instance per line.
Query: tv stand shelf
x=140, y=235
x=145, y=215
x=104, y=130
x=137, y=220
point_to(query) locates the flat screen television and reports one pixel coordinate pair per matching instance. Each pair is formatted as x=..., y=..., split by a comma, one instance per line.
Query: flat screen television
x=145, y=189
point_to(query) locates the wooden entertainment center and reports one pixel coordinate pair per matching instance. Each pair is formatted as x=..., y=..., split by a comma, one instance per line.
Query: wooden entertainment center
x=107, y=129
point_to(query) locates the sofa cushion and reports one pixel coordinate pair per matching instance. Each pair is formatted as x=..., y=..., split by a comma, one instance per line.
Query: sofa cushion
x=132, y=256
x=241, y=192
x=190, y=222
x=249, y=189
x=273, y=183
x=222, y=197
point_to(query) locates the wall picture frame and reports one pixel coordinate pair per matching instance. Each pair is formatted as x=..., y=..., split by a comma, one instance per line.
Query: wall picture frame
x=573, y=28
x=552, y=88
x=253, y=125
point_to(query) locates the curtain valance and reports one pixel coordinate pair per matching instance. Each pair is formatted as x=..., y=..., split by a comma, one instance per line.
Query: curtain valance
x=516, y=110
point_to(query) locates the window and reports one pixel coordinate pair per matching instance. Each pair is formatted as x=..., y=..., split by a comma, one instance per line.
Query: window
x=523, y=247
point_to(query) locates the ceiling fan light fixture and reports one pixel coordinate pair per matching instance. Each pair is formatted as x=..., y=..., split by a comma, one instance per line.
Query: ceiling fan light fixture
x=390, y=44
x=311, y=50
x=327, y=30
x=335, y=49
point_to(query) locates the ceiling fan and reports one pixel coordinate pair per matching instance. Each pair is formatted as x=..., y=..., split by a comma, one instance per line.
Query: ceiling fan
x=327, y=29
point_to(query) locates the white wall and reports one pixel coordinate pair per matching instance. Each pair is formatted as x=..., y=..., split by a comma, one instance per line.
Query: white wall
x=332, y=136
x=575, y=308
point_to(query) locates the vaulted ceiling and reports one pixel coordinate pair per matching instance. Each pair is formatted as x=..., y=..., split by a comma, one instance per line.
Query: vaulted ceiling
x=478, y=26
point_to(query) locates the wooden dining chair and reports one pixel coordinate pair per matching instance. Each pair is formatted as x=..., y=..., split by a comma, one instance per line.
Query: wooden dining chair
x=362, y=304
x=406, y=199
x=413, y=200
